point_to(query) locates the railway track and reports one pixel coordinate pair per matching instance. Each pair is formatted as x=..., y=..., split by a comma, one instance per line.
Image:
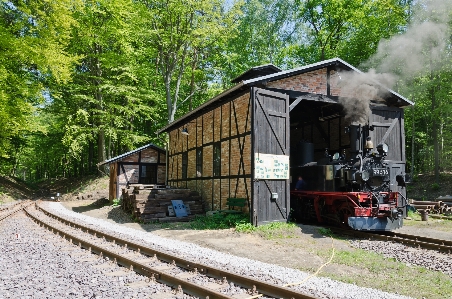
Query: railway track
x=406, y=239
x=7, y=211
x=185, y=276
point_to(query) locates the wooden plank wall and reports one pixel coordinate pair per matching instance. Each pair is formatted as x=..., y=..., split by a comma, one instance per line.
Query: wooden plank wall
x=227, y=127
x=127, y=170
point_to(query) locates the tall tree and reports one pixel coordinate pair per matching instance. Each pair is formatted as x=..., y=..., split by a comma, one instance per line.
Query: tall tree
x=106, y=96
x=265, y=28
x=349, y=29
x=33, y=40
x=181, y=35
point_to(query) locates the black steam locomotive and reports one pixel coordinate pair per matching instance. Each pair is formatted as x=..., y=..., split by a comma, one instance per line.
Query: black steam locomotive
x=360, y=191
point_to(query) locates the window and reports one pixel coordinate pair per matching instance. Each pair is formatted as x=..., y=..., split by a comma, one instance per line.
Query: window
x=184, y=165
x=148, y=174
x=199, y=162
x=216, y=159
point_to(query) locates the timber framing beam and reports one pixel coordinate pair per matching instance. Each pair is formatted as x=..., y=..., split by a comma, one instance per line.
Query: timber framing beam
x=298, y=96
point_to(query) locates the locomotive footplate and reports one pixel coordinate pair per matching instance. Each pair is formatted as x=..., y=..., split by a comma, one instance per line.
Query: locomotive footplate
x=375, y=223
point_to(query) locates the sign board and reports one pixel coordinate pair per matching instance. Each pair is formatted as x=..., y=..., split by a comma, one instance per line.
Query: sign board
x=179, y=208
x=271, y=167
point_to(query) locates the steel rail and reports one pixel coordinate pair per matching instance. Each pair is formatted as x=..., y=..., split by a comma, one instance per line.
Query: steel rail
x=170, y=280
x=412, y=240
x=14, y=209
x=8, y=207
x=240, y=280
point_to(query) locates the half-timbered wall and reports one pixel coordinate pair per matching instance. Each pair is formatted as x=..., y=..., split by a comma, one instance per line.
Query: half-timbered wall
x=226, y=132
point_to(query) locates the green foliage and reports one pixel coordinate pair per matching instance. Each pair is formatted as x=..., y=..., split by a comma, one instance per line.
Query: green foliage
x=218, y=221
x=413, y=215
x=82, y=81
x=350, y=29
x=274, y=230
x=435, y=186
x=34, y=36
x=116, y=202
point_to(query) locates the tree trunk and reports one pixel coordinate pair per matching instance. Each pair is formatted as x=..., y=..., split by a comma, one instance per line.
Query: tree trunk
x=412, y=143
x=91, y=157
x=101, y=155
x=435, y=132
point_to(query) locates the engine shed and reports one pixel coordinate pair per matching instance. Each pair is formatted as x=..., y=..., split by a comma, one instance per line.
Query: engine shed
x=247, y=141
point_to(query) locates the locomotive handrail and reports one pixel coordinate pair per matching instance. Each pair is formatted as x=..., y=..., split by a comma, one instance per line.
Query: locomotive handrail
x=378, y=202
x=406, y=200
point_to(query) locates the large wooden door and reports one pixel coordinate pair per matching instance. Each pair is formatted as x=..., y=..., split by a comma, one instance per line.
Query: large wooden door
x=388, y=127
x=270, y=156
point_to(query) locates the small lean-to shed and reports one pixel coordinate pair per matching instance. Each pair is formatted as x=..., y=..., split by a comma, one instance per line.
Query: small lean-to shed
x=145, y=165
x=243, y=142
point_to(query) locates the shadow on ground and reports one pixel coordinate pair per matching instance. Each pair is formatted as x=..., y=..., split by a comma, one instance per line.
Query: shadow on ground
x=92, y=206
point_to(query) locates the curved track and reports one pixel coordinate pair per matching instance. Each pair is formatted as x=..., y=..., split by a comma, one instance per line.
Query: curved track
x=7, y=211
x=164, y=268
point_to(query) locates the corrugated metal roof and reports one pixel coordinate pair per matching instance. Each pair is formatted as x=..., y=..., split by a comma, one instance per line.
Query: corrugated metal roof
x=122, y=156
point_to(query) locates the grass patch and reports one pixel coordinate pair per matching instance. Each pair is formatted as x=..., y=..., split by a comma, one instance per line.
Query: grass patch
x=274, y=230
x=433, y=223
x=414, y=215
x=218, y=221
x=389, y=275
x=240, y=222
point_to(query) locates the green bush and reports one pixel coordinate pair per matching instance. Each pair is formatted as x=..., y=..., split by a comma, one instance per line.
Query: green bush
x=116, y=202
x=435, y=186
x=218, y=221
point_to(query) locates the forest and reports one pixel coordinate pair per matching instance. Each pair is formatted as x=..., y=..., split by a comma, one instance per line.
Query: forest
x=82, y=81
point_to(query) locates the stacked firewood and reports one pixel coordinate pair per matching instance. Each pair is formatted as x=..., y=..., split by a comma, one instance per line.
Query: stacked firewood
x=154, y=204
x=437, y=206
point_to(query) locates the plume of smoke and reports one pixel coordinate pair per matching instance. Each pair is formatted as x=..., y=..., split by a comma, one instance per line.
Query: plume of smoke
x=421, y=48
x=358, y=90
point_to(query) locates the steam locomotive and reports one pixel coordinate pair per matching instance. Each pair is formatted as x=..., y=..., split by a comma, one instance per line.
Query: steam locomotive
x=360, y=191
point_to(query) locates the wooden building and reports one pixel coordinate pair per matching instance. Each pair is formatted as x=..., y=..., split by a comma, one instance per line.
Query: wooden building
x=239, y=143
x=144, y=165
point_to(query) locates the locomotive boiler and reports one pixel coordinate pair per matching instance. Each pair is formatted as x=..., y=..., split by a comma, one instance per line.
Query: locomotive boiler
x=359, y=191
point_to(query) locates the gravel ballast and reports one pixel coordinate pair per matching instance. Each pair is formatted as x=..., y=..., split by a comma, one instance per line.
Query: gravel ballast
x=321, y=287
x=35, y=264
x=429, y=259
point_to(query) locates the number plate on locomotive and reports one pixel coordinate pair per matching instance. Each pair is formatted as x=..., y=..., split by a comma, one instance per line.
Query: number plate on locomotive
x=379, y=172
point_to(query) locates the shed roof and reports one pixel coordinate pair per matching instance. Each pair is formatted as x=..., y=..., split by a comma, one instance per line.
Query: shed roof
x=122, y=156
x=257, y=71
x=336, y=62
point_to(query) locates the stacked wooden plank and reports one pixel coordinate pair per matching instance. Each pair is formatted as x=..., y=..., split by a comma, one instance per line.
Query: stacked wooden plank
x=151, y=204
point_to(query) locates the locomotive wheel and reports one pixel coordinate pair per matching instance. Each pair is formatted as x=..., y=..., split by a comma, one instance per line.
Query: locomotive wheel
x=344, y=212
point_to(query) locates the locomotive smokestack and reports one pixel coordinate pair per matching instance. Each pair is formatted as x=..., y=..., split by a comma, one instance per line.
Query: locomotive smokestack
x=356, y=140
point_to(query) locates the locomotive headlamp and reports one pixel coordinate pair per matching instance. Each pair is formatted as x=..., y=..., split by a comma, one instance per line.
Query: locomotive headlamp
x=365, y=175
x=382, y=148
